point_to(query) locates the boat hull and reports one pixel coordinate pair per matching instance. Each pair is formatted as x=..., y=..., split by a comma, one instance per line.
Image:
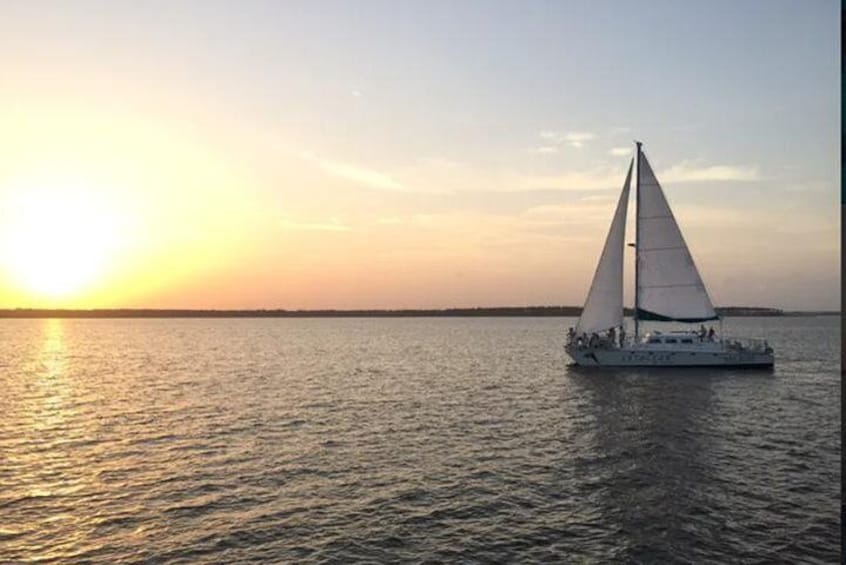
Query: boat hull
x=641, y=357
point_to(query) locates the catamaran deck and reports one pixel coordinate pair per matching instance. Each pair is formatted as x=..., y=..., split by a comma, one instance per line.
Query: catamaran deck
x=675, y=349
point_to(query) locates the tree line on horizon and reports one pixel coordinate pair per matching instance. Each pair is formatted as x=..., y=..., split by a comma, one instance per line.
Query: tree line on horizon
x=562, y=311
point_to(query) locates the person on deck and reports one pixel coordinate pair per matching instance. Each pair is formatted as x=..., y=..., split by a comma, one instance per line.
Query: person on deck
x=711, y=334
x=612, y=337
x=622, y=336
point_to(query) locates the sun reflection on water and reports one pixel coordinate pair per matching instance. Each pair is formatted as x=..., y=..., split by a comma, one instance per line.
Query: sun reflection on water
x=52, y=474
x=53, y=387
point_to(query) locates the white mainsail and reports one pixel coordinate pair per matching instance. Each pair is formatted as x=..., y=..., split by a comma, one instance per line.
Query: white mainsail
x=668, y=285
x=604, y=305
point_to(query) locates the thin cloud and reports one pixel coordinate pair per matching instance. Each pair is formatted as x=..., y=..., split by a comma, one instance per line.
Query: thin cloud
x=578, y=221
x=811, y=186
x=606, y=178
x=687, y=171
x=578, y=138
x=597, y=179
x=546, y=150
x=620, y=151
x=556, y=214
x=575, y=139
x=355, y=174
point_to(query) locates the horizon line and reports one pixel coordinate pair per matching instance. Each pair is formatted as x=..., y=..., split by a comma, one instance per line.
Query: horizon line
x=478, y=311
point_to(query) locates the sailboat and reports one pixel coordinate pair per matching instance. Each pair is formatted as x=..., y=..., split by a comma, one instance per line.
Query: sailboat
x=668, y=288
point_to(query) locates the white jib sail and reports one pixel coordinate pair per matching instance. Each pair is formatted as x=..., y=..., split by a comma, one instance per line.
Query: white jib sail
x=604, y=305
x=669, y=285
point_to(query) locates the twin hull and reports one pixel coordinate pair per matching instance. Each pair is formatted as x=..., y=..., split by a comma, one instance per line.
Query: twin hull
x=643, y=357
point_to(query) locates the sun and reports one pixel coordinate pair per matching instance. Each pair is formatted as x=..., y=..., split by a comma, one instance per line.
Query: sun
x=57, y=241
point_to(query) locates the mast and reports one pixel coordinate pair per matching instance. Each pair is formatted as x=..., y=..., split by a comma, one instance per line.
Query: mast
x=637, y=244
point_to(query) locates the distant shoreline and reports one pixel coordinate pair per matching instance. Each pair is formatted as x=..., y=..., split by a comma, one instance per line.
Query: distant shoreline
x=507, y=311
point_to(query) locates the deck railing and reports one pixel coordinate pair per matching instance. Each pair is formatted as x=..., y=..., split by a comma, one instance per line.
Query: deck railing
x=731, y=343
x=755, y=344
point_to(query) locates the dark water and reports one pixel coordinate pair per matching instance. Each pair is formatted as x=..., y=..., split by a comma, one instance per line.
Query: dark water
x=439, y=440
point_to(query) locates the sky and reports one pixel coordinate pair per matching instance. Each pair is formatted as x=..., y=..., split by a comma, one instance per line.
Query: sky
x=175, y=154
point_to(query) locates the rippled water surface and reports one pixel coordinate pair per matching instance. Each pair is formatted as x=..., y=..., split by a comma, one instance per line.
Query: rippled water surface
x=334, y=440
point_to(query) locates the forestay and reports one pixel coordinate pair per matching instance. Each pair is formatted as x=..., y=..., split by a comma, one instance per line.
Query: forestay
x=604, y=306
x=669, y=285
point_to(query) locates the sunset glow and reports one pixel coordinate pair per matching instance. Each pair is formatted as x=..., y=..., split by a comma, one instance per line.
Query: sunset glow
x=58, y=239
x=271, y=155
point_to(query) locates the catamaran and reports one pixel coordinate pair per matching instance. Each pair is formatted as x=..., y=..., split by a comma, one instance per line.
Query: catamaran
x=668, y=288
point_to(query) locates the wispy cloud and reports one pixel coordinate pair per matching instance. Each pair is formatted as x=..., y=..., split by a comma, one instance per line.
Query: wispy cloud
x=578, y=138
x=442, y=176
x=689, y=171
x=605, y=178
x=389, y=221
x=358, y=175
x=332, y=225
x=356, y=93
x=811, y=186
x=596, y=179
x=580, y=211
x=546, y=150
x=554, y=139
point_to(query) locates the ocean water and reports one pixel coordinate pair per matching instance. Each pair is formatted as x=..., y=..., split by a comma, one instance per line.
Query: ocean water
x=407, y=440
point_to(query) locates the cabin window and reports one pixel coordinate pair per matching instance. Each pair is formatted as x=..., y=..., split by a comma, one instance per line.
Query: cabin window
x=687, y=341
x=654, y=340
x=670, y=340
